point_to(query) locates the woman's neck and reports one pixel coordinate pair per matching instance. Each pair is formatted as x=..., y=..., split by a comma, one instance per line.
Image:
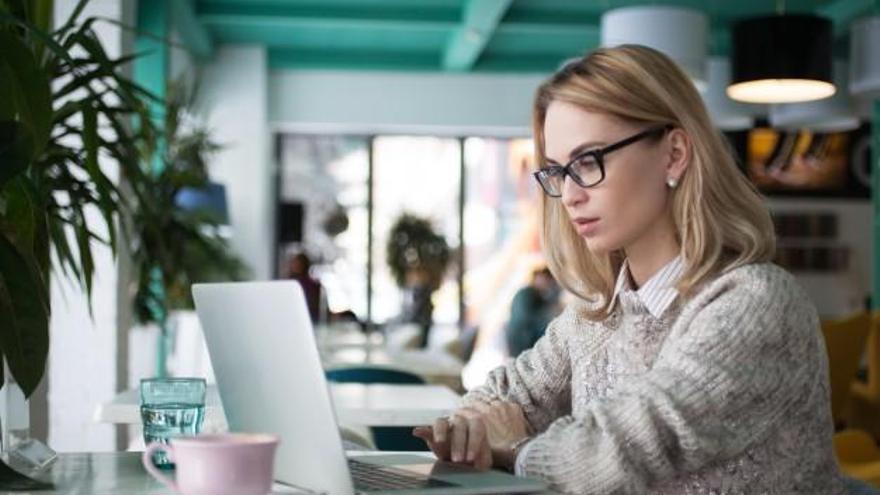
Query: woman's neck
x=651, y=253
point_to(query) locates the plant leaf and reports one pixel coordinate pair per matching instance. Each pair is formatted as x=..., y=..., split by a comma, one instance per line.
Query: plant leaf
x=58, y=237
x=24, y=336
x=19, y=221
x=90, y=139
x=29, y=87
x=16, y=150
x=86, y=262
x=35, y=31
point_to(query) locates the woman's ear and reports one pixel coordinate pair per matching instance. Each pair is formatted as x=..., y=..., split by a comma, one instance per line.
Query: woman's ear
x=680, y=151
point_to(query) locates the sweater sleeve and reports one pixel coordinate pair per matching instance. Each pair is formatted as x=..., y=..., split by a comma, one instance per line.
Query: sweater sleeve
x=733, y=367
x=539, y=380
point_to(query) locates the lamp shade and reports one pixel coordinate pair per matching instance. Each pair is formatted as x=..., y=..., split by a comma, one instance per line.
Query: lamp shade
x=781, y=59
x=680, y=33
x=864, y=57
x=727, y=115
x=835, y=114
x=210, y=199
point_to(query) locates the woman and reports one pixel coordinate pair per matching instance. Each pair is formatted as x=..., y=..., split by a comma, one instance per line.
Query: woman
x=691, y=364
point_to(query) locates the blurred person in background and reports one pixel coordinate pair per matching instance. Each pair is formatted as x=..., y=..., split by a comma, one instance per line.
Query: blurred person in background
x=531, y=310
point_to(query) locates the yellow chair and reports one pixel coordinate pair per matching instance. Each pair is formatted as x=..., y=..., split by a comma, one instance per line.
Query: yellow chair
x=845, y=342
x=858, y=455
x=864, y=412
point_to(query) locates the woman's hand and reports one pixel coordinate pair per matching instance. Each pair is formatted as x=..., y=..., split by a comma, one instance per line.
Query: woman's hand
x=481, y=435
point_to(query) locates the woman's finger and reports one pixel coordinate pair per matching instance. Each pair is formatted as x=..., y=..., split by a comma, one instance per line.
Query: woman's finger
x=441, y=429
x=425, y=433
x=476, y=437
x=459, y=435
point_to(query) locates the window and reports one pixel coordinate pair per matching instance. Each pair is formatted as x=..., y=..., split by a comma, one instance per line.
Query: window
x=477, y=188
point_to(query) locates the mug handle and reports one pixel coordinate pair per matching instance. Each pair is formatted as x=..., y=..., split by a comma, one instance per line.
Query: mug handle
x=147, y=460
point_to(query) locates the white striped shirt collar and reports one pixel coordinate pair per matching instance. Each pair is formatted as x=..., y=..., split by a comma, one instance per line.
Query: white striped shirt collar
x=658, y=293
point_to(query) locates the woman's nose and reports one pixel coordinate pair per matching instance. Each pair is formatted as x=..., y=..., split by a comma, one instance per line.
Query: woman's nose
x=572, y=193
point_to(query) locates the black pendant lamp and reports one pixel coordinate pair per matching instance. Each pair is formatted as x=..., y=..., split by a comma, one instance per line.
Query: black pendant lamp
x=781, y=59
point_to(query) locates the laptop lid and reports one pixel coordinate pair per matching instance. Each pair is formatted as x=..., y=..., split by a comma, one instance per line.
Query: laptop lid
x=262, y=348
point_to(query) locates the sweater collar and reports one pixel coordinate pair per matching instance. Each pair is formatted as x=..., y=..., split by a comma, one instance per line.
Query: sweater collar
x=658, y=293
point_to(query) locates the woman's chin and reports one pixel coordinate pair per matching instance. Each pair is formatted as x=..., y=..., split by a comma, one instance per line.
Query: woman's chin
x=599, y=246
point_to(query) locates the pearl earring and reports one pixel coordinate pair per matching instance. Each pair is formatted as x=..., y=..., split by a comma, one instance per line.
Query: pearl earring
x=671, y=182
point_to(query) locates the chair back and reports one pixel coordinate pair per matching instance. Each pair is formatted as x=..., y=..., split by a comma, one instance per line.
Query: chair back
x=395, y=438
x=845, y=342
x=873, y=358
x=369, y=374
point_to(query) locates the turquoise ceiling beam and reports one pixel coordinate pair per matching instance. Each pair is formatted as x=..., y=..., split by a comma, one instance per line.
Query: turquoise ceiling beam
x=292, y=59
x=551, y=30
x=193, y=34
x=338, y=24
x=481, y=17
x=842, y=12
x=522, y=39
x=328, y=40
x=280, y=59
x=421, y=11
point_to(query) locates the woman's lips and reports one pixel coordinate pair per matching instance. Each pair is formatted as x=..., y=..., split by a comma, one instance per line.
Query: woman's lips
x=585, y=226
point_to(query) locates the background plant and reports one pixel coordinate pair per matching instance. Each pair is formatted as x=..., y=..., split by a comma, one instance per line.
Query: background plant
x=172, y=245
x=414, y=246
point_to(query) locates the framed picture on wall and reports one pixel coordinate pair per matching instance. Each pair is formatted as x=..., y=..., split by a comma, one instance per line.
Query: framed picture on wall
x=806, y=163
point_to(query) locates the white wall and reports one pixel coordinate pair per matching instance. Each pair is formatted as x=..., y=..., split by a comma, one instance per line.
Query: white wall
x=839, y=294
x=400, y=102
x=234, y=97
x=82, y=357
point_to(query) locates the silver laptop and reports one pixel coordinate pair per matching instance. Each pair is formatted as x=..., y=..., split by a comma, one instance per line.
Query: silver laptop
x=269, y=374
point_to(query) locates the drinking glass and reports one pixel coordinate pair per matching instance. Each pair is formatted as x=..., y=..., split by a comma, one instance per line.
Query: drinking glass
x=171, y=407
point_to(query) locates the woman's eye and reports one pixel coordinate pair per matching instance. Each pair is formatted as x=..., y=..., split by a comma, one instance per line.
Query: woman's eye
x=586, y=161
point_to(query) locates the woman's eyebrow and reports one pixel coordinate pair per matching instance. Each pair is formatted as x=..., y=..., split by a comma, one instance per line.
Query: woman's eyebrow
x=584, y=147
x=576, y=151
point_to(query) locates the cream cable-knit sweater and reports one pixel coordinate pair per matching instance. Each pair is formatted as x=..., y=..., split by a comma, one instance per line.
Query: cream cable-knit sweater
x=727, y=392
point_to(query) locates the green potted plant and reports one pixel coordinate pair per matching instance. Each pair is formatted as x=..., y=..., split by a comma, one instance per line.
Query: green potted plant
x=175, y=245
x=418, y=258
x=65, y=103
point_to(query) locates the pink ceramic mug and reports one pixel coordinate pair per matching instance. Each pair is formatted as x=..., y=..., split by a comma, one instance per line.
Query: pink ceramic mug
x=224, y=464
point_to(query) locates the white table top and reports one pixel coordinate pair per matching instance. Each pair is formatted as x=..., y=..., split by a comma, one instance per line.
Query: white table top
x=342, y=346
x=110, y=473
x=356, y=405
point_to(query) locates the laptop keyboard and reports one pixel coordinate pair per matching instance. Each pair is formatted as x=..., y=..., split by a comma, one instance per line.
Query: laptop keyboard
x=370, y=477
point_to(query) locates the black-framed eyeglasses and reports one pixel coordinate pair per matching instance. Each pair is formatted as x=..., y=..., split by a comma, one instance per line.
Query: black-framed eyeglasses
x=588, y=168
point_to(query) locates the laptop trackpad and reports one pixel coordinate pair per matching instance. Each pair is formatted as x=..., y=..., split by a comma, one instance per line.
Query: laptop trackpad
x=415, y=463
x=458, y=474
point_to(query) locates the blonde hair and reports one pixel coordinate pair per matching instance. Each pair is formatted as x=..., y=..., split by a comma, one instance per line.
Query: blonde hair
x=720, y=219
